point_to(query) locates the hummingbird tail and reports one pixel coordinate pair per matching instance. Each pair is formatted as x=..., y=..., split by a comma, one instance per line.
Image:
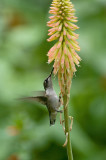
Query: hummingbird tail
x=52, y=122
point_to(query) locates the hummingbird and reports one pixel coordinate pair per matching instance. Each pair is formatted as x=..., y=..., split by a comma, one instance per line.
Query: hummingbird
x=49, y=98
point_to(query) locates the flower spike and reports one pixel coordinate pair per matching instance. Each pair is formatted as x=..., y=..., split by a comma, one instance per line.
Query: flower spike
x=63, y=52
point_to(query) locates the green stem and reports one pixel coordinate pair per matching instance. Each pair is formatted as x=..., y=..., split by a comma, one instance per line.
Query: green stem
x=67, y=129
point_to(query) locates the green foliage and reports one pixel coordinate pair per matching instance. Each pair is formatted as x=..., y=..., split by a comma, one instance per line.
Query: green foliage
x=24, y=126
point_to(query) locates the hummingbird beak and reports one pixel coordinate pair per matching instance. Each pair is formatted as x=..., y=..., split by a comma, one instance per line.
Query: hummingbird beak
x=51, y=73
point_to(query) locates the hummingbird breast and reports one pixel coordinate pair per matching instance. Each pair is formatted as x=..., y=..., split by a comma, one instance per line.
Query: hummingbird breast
x=52, y=105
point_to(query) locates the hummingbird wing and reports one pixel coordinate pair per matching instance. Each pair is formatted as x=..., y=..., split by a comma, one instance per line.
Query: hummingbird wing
x=39, y=96
x=38, y=93
x=41, y=99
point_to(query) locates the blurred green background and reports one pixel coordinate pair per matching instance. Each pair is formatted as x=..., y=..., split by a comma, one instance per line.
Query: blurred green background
x=25, y=133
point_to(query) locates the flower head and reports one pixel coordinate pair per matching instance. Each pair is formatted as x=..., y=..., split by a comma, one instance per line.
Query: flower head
x=64, y=50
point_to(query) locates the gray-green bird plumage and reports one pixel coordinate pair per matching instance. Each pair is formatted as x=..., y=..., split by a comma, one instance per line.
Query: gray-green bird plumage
x=48, y=98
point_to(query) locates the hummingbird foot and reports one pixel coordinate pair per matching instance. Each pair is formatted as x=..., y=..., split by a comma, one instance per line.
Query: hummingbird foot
x=66, y=140
x=61, y=111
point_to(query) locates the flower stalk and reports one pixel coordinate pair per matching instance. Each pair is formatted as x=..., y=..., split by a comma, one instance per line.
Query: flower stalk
x=67, y=130
x=63, y=53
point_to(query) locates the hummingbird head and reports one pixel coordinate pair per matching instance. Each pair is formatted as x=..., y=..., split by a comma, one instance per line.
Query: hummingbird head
x=48, y=82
